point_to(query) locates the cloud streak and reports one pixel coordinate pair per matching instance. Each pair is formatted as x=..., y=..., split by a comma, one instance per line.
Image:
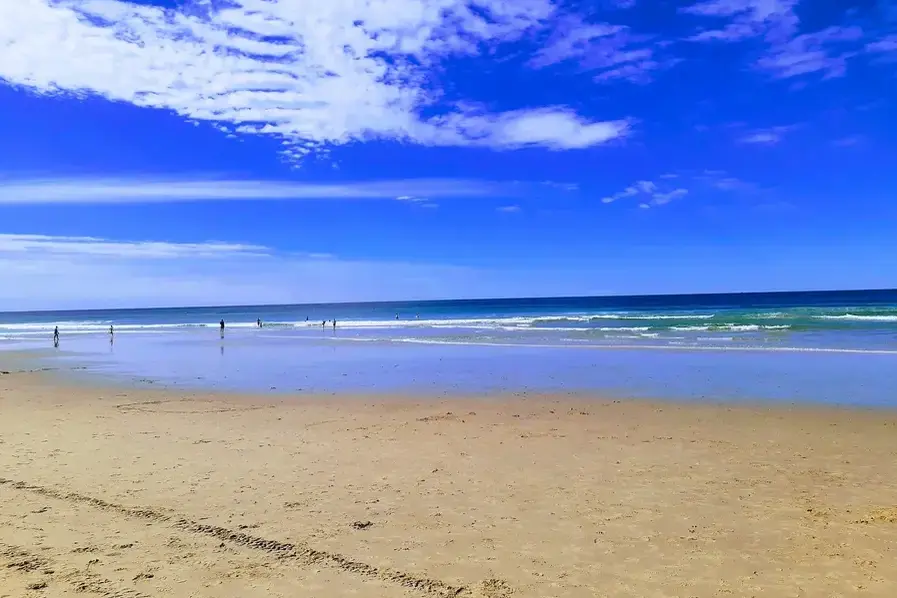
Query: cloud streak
x=611, y=52
x=152, y=250
x=42, y=272
x=149, y=190
x=316, y=74
x=651, y=194
x=45, y=272
x=672, y=186
x=790, y=51
x=770, y=136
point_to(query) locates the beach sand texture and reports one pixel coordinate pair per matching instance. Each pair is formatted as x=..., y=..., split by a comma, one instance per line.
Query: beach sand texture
x=137, y=494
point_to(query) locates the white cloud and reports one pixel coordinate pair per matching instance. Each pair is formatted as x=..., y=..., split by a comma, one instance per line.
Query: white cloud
x=659, y=199
x=154, y=250
x=762, y=138
x=849, y=141
x=672, y=186
x=555, y=128
x=886, y=46
x=723, y=181
x=612, y=51
x=42, y=272
x=636, y=188
x=149, y=190
x=821, y=52
x=509, y=209
x=748, y=18
x=788, y=52
x=770, y=136
x=315, y=73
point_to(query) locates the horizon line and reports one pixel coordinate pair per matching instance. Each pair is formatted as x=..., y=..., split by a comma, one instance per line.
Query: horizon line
x=464, y=300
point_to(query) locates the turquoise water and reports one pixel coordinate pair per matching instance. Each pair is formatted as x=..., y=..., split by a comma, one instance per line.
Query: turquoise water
x=845, y=320
x=834, y=346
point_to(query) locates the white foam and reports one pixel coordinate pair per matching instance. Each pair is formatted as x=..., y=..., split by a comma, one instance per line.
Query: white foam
x=729, y=328
x=860, y=318
x=673, y=346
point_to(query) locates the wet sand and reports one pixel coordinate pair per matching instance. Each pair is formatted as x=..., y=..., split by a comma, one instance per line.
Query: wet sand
x=135, y=494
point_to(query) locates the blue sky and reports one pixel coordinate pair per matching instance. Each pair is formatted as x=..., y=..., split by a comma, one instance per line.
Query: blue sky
x=263, y=151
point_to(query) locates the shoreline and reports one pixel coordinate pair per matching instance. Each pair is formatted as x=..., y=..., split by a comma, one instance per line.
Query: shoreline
x=80, y=379
x=443, y=372
x=168, y=492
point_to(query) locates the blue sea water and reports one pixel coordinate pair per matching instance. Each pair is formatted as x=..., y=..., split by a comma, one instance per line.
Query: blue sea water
x=838, y=346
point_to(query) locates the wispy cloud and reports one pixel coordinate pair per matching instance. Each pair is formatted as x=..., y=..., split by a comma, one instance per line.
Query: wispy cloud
x=148, y=190
x=849, y=141
x=723, y=181
x=612, y=52
x=746, y=18
x=153, y=250
x=316, y=74
x=885, y=47
x=44, y=272
x=789, y=51
x=649, y=193
x=659, y=199
x=675, y=185
x=824, y=52
x=555, y=128
x=770, y=136
x=50, y=272
x=509, y=209
x=636, y=188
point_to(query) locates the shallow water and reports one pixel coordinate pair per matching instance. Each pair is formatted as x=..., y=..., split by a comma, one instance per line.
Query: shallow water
x=258, y=361
x=830, y=347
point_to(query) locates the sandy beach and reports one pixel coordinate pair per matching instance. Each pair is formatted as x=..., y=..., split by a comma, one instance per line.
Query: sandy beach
x=135, y=494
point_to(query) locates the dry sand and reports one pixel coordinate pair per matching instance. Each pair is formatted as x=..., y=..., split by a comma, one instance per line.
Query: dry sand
x=134, y=494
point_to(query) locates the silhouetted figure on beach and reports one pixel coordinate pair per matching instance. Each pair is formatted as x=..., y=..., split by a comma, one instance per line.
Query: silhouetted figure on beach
x=334, y=324
x=324, y=324
x=221, y=325
x=111, y=334
x=56, y=336
x=258, y=322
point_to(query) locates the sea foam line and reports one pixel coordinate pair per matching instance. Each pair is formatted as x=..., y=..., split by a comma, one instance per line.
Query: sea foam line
x=598, y=347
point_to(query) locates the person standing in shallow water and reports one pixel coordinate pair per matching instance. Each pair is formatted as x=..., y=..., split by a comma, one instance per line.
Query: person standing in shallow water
x=221, y=325
x=56, y=336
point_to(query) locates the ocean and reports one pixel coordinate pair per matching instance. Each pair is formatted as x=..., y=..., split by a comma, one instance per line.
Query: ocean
x=545, y=344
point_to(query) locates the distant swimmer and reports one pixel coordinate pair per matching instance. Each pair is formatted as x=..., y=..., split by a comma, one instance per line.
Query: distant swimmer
x=56, y=336
x=397, y=316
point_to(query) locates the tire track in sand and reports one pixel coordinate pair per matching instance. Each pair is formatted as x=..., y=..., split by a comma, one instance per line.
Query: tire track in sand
x=299, y=551
x=19, y=559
